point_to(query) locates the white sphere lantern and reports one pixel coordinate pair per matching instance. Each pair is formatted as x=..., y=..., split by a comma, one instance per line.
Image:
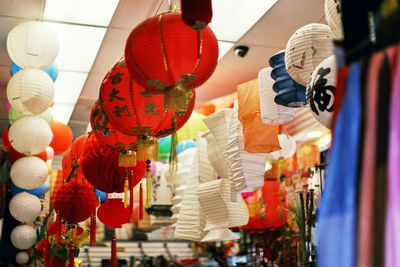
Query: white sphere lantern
x=321, y=91
x=306, y=48
x=333, y=15
x=22, y=257
x=32, y=44
x=29, y=172
x=30, y=135
x=25, y=207
x=30, y=91
x=23, y=236
x=288, y=145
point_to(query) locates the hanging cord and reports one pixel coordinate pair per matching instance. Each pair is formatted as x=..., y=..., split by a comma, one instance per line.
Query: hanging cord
x=159, y=6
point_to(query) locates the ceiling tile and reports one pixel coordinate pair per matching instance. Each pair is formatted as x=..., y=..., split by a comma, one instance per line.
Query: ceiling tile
x=31, y=9
x=92, y=86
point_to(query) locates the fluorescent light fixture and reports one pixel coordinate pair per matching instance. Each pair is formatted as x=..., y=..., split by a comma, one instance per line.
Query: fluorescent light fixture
x=314, y=134
x=223, y=48
x=233, y=18
x=68, y=86
x=78, y=46
x=90, y=12
x=62, y=112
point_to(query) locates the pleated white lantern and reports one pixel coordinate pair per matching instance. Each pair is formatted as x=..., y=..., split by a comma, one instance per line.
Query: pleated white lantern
x=30, y=135
x=23, y=236
x=271, y=113
x=288, y=145
x=206, y=172
x=29, y=172
x=32, y=44
x=215, y=156
x=186, y=167
x=321, y=91
x=333, y=15
x=30, y=91
x=22, y=257
x=25, y=207
x=306, y=48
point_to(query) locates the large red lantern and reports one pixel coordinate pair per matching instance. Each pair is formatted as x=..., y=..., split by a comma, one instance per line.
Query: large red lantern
x=166, y=56
x=113, y=213
x=100, y=167
x=70, y=161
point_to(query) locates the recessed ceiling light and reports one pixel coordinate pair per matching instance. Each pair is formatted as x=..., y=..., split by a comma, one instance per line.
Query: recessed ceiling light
x=314, y=134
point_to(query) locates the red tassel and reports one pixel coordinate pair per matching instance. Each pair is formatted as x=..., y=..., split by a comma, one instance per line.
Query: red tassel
x=58, y=227
x=141, y=203
x=71, y=256
x=93, y=229
x=114, y=250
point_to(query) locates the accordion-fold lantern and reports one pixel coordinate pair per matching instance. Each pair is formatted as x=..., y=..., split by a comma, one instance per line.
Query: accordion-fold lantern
x=29, y=172
x=333, y=15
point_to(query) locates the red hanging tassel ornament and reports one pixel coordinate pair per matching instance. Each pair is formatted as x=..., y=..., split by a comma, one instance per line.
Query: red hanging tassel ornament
x=58, y=227
x=140, y=202
x=93, y=229
x=196, y=14
x=131, y=193
x=114, y=250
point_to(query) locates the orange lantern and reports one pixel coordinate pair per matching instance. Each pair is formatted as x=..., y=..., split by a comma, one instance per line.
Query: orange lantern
x=62, y=137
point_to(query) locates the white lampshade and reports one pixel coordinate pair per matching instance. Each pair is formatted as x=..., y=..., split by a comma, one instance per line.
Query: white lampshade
x=321, y=91
x=23, y=236
x=288, y=145
x=25, y=207
x=271, y=113
x=30, y=135
x=32, y=44
x=306, y=48
x=29, y=172
x=30, y=91
x=333, y=15
x=22, y=257
x=206, y=172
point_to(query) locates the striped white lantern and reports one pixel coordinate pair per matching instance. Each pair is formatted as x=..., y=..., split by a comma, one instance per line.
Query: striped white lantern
x=22, y=257
x=23, y=236
x=30, y=135
x=25, y=207
x=333, y=15
x=30, y=91
x=306, y=48
x=271, y=113
x=32, y=44
x=29, y=172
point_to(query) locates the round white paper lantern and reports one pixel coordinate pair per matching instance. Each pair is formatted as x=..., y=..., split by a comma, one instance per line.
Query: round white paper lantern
x=29, y=172
x=30, y=135
x=32, y=44
x=30, y=91
x=271, y=113
x=23, y=236
x=306, y=48
x=333, y=15
x=25, y=207
x=288, y=145
x=22, y=257
x=321, y=91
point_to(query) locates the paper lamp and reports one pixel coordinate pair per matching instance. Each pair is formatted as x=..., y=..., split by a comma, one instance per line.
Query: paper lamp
x=5, y=140
x=179, y=59
x=25, y=207
x=186, y=167
x=204, y=167
x=216, y=156
x=113, y=213
x=29, y=172
x=52, y=70
x=321, y=91
x=161, y=193
x=333, y=15
x=32, y=44
x=288, y=145
x=39, y=191
x=30, y=91
x=183, y=145
x=13, y=115
x=30, y=135
x=23, y=236
x=62, y=137
x=271, y=113
x=196, y=14
x=306, y=48
x=22, y=257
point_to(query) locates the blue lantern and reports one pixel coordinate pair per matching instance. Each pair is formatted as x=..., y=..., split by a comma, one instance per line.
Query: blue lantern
x=185, y=144
x=39, y=191
x=289, y=93
x=52, y=70
x=103, y=196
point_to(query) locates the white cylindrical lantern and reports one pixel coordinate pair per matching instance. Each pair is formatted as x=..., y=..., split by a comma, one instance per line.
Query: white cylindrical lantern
x=271, y=113
x=32, y=44
x=22, y=257
x=25, y=207
x=23, y=236
x=30, y=135
x=30, y=91
x=29, y=172
x=333, y=15
x=306, y=48
x=288, y=145
x=321, y=91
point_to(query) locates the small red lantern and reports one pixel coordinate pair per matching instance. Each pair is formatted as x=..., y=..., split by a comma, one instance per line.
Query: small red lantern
x=166, y=56
x=70, y=161
x=74, y=201
x=113, y=213
x=196, y=14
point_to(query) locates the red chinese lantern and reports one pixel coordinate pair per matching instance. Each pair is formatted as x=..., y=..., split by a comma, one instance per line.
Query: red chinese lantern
x=196, y=14
x=13, y=155
x=166, y=56
x=74, y=201
x=5, y=140
x=70, y=161
x=62, y=137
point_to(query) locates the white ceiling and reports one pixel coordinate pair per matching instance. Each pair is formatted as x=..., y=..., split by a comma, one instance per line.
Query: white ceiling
x=265, y=38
